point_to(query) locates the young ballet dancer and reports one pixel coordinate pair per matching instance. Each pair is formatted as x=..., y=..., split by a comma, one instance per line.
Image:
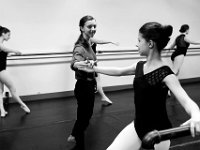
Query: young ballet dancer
x=181, y=43
x=153, y=78
x=4, y=75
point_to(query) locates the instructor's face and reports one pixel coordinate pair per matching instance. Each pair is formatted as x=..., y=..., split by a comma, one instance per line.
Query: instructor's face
x=89, y=29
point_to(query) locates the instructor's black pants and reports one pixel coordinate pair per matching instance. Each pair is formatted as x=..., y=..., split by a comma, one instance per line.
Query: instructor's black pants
x=85, y=95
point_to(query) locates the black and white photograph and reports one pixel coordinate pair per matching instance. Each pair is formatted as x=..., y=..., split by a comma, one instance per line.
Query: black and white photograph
x=99, y=75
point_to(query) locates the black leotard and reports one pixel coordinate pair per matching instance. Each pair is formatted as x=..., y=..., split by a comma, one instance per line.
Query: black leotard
x=150, y=100
x=3, y=59
x=181, y=47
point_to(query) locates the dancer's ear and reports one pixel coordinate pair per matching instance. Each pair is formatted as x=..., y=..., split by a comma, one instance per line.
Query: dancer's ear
x=151, y=44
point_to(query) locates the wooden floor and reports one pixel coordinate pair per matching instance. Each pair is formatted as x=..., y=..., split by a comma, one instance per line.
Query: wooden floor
x=51, y=121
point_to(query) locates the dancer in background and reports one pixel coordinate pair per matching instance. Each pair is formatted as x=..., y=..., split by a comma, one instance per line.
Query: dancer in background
x=4, y=76
x=152, y=80
x=99, y=89
x=181, y=43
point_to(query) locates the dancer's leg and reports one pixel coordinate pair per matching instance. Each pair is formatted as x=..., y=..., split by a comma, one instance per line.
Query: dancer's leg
x=100, y=90
x=177, y=63
x=164, y=145
x=2, y=109
x=5, y=79
x=126, y=140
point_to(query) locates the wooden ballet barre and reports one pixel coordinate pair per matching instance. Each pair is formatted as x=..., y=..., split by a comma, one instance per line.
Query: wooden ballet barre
x=40, y=54
x=136, y=50
x=155, y=137
x=116, y=51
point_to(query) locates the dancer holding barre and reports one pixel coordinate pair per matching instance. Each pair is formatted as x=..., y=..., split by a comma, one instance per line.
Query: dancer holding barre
x=181, y=43
x=153, y=78
x=4, y=76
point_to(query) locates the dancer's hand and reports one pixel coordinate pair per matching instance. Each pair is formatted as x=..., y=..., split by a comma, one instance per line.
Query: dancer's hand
x=18, y=53
x=84, y=66
x=194, y=125
x=80, y=64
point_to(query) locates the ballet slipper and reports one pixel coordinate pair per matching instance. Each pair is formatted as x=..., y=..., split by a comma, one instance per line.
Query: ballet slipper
x=106, y=102
x=4, y=114
x=105, y=99
x=25, y=108
x=71, y=139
